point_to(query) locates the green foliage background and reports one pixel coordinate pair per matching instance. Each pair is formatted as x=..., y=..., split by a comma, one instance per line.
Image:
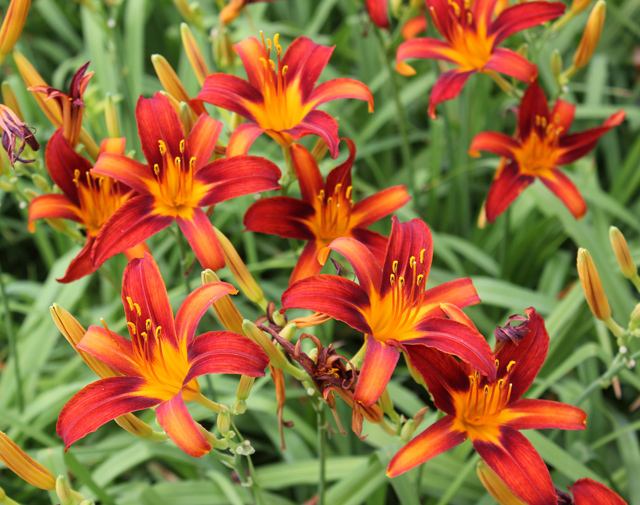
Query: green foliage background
x=525, y=259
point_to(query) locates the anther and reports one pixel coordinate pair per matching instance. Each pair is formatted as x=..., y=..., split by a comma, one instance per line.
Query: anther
x=158, y=331
x=394, y=266
x=182, y=145
x=130, y=303
x=156, y=169
x=162, y=147
x=137, y=307
x=147, y=324
x=422, y=253
x=510, y=365
x=132, y=327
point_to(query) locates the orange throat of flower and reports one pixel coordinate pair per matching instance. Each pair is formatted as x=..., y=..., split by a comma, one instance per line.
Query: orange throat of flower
x=99, y=198
x=538, y=153
x=281, y=108
x=481, y=410
x=177, y=192
x=472, y=46
x=394, y=315
x=332, y=218
x=159, y=362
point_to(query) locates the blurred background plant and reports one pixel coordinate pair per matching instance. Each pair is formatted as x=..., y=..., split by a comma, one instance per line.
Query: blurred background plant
x=526, y=258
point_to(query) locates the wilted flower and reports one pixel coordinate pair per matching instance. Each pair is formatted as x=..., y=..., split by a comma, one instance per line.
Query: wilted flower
x=16, y=135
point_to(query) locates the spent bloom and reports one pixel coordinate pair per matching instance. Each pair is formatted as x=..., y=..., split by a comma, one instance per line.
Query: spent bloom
x=392, y=306
x=176, y=182
x=16, y=135
x=491, y=411
x=280, y=97
x=471, y=42
x=86, y=198
x=325, y=212
x=542, y=143
x=161, y=361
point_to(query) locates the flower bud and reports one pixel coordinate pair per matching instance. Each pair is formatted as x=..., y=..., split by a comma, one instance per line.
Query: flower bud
x=223, y=422
x=243, y=277
x=577, y=6
x=111, y=117
x=168, y=78
x=623, y=255
x=495, y=486
x=32, y=79
x=25, y=467
x=231, y=11
x=12, y=25
x=591, y=35
x=592, y=286
x=194, y=55
x=223, y=48
x=10, y=99
x=276, y=357
x=226, y=311
x=557, y=67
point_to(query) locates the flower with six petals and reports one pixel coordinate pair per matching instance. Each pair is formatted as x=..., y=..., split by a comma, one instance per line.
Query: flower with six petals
x=471, y=39
x=176, y=182
x=490, y=412
x=159, y=365
x=325, y=212
x=280, y=97
x=391, y=306
x=541, y=144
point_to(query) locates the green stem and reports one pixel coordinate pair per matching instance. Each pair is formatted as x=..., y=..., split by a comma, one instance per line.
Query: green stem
x=255, y=486
x=617, y=364
x=183, y=259
x=401, y=115
x=504, y=246
x=13, y=345
x=322, y=452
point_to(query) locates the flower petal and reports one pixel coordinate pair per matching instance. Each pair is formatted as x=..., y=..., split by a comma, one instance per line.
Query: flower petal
x=518, y=464
x=365, y=265
x=375, y=207
x=510, y=63
x=576, y=145
x=374, y=241
x=562, y=115
x=342, y=88
x=142, y=282
x=110, y=348
x=158, y=120
x=305, y=60
x=308, y=264
x=196, y=305
x=229, y=92
x=589, y=492
x=176, y=421
x=493, y=142
x=332, y=295
x=122, y=168
x=238, y=176
x=281, y=215
x=251, y=52
x=423, y=48
x=447, y=87
x=321, y=124
x=377, y=368
x=62, y=162
x=564, y=189
x=414, y=27
x=458, y=292
x=532, y=414
x=202, y=139
x=227, y=353
x=378, y=12
x=80, y=265
x=243, y=138
x=307, y=171
x=113, y=145
x=130, y=225
x=436, y=439
x=202, y=238
x=458, y=339
x=522, y=16
x=52, y=206
x=528, y=351
x=533, y=105
x=97, y=404
x=505, y=188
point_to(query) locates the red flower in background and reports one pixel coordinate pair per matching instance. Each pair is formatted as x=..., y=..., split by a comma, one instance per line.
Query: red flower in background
x=159, y=366
x=378, y=12
x=472, y=37
x=541, y=145
x=392, y=307
x=491, y=411
x=86, y=198
x=176, y=182
x=590, y=492
x=280, y=97
x=325, y=212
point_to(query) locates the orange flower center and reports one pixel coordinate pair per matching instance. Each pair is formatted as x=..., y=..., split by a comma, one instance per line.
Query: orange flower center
x=177, y=192
x=99, y=199
x=472, y=46
x=394, y=315
x=159, y=362
x=333, y=214
x=282, y=107
x=539, y=153
x=482, y=409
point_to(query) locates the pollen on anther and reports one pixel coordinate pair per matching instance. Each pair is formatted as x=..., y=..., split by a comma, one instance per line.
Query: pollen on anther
x=147, y=324
x=130, y=303
x=422, y=253
x=162, y=147
x=182, y=145
x=158, y=331
x=510, y=365
x=394, y=266
x=137, y=307
x=132, y=327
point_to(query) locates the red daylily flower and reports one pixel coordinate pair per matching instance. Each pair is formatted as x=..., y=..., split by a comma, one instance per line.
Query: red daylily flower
x=159, y=365
x=391, y=306
x=71, y=104
x=590, y=492
x=325, y=212
x=86, y=198
x=472, y=37
x=177, y=181
x=491, y=411
x=541, y=144
x=280, y=97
